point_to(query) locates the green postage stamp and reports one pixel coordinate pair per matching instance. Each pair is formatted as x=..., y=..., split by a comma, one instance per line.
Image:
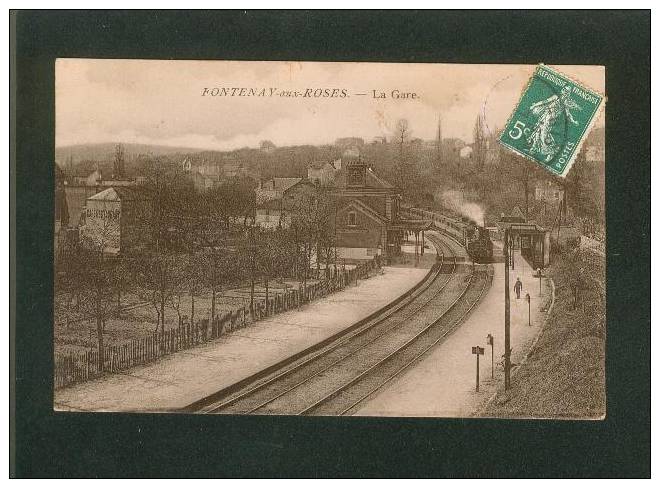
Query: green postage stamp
x=552, y=119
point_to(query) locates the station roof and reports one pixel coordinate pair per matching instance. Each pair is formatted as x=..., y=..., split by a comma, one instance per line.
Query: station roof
x=526, y=228
x=412, y=225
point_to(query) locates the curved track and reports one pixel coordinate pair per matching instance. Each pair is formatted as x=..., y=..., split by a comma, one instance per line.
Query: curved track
x=338, y=377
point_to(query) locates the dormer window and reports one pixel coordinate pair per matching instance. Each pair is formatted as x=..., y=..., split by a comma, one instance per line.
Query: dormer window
x=352, y=219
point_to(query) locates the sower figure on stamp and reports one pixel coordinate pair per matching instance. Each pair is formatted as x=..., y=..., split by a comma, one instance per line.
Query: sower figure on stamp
x=517, y=287
x=548, y=110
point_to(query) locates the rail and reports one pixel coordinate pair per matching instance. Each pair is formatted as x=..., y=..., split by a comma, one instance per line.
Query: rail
x=233, y=396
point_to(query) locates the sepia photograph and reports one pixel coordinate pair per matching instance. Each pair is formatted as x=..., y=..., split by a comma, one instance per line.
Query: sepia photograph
x=329, y=238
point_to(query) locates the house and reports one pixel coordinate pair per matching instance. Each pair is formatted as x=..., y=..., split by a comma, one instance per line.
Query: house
x=548, y=191
x=272, y=197
x=349, y=142
x=594, y=146
x=274, y=188
x=112, y=220
x=324, y=172
x=269, y=214
x=465, y=152
x=91, y=180
x=203, y=182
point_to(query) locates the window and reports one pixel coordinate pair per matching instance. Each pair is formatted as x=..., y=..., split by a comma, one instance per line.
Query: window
x=356, y=175
x=352, y=219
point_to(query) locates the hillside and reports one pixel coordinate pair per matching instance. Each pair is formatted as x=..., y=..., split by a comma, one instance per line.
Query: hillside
x=106, y=151
x=564, y=375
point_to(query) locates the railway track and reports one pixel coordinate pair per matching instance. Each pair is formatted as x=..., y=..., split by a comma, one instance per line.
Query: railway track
x=338, y=377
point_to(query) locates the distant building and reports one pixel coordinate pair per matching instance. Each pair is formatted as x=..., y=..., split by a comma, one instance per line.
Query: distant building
x=269, y=214
x=275, y=199
x=493, y=149
x=82, y=187
x=324, y=172
x=203, y=182
x=112, y=220
x=274, y=188
x=594, y=146
x=465, y=152
x=233, y=169
x=349, y=142
x=595, y=153
x=548, y=191
x=267, y=146
x=451, y=148
x=91, y=180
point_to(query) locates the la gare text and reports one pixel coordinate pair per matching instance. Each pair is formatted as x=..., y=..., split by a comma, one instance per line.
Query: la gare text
x=333, y=93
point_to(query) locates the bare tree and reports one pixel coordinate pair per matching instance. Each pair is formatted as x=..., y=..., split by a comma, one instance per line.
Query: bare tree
x=273, y=256
x=479, y=145
x=159, y=277
x=221, y=269
x=402, y=134
x=312, y=218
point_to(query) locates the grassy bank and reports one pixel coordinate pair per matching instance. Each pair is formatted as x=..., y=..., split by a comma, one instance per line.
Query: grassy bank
x=564, y=375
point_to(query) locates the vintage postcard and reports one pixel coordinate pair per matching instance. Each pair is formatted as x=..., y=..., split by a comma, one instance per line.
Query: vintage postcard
x=325, y=238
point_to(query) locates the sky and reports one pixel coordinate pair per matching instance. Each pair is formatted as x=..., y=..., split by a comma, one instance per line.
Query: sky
x=161, y=102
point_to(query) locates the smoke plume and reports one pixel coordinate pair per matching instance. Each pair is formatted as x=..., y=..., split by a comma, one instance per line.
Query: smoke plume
x=455, y=201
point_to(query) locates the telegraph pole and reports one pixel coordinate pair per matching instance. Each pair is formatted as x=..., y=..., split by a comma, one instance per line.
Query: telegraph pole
x=507, y=318
x=512, y=249
x=489, y=340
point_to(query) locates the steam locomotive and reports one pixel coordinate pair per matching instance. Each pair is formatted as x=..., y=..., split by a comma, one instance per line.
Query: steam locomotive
x=475, y=238
x=478, y=244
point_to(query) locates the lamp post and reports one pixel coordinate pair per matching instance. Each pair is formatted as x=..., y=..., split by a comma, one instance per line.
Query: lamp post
x=490, y=340
x=476, y=350
x=529, y=309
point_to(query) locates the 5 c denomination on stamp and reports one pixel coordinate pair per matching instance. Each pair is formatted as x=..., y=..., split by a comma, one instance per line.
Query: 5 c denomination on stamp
x=552, y=120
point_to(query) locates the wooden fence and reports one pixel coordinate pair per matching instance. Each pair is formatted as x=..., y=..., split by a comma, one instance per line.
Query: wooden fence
x=79, y=367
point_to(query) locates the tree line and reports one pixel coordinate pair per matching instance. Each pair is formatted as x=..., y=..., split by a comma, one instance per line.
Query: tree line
x=187, y=242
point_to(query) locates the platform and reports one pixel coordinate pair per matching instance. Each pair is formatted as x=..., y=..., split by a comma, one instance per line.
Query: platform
x=184, y=377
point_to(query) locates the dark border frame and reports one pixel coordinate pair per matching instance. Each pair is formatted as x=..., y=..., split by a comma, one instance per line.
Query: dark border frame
x=175, y=445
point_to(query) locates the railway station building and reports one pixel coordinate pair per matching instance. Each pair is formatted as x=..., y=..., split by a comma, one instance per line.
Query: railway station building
x=367, y=218
x=368, y=221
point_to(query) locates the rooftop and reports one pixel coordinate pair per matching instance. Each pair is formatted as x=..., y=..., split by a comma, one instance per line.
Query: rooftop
x=281, y=184
x=118, y=193
x=373, y=181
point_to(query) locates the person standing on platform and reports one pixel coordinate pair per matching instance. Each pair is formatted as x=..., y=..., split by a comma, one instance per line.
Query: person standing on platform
x=517, y=287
